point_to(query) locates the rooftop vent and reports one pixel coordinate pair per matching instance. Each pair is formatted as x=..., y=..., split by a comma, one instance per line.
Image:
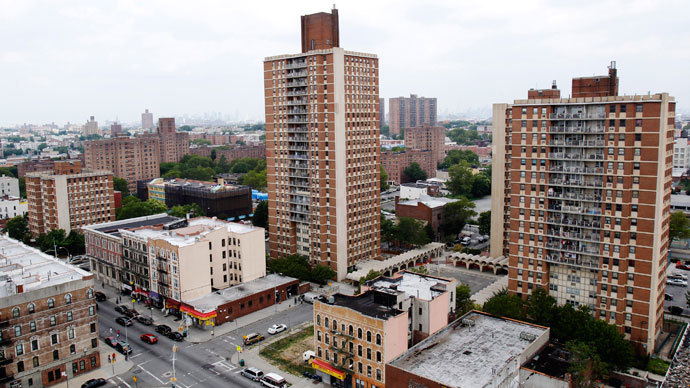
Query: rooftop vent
x=529, y=337
x=467, y=352
x=468, y=322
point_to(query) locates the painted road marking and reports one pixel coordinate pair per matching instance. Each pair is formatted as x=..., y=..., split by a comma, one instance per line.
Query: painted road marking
x=123, y=382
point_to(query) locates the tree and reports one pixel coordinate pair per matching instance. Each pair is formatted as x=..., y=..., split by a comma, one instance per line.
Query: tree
x=369, y=276
x=42, y=146
x=419, y=269
x=463, y=300
x=181, y=211
x=484, y=222
x=75, y=243
x=48, y=241
x=121, y=185
x=582, y=361
x=429, y=231
x=460, y=179
x=18, y=228
x=503, y=304
x=414, y=173
x=456, y=215
x=541, y=307
x=384, y=179
x=481, y=185
x=411, y=231
x=134, y=207
x=679, y=227
x=222, y=166
x=213, y=154
x=255, y=180
x=456, y=156
x=297, y=266
x=260, y=217
x=322, y=274
x=387, y=230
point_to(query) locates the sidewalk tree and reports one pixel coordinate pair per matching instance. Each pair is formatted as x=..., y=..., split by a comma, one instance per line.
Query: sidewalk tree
x=411, y=231
x=260, y=217
x=322, y=274
x=18, y=228
x=460, y=179
x=181, y=211
x=48, y=241
x=679, y=227
x=463, y=299
x=541, y=307
x=484, y=222
x=503, y=304
x=457, y=214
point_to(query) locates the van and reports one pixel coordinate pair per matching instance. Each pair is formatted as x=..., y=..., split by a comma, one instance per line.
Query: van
x=308, y=355
x=273, y=380
x=252, y=338
x=310, y=297
x=253, y=374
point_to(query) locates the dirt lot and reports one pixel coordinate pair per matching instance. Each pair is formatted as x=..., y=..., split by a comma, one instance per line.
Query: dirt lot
x=294, y=352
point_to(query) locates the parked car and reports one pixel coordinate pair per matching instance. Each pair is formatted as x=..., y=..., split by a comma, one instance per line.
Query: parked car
x=677, y=282
x=100, y=297
x=124, y=321
x=675, y=310
x=112, y=341
x=175, y=336
x=148, y=321
x=163, y=329
x=123, y=347
x=252, y=338
x=466, y=240
x=678, y=275
x=121, y=309
x=93, y=383
x=273, y=380
x=310, y=297
x=149, y=338
x=316, y=378
x=275, y=329
x=131, y=313
x=668, y=296
x=253, y=374
x=682, y=266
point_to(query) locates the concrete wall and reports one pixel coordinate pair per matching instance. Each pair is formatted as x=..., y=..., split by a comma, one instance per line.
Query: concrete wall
x=194, y=271
x=438, y=312
x=253, y=248
x=407, y=192
x=498, y=179
x=534, y=379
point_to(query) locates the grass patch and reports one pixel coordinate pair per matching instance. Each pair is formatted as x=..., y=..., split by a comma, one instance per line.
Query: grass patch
x=657, y=366
x=275, y=352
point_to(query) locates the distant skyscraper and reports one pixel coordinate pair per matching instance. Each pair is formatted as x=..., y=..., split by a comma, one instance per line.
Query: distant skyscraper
x=382, y=112
x=91, y=127
x=410, y=112
x=115, y=129
x=147, y=120
x=581, y=200
x=173, y=145
x=322, y=149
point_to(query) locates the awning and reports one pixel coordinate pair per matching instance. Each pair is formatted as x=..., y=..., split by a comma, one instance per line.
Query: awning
x=154, y=296
x=198, y=315
x=171, y=303
x=325, y=367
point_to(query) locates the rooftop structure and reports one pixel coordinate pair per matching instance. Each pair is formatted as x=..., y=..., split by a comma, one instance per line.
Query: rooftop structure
x=397, y=263
x=477, y=350
x=412, y=284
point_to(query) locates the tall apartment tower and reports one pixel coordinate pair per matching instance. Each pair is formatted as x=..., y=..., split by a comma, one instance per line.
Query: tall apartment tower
x=410, y=112
x=129, y=158
x=147, y=119
x=91, y=127
x=173, y=145
x=581, y=200
x=382, y=112
x=115, y=129
x=429, y=138
x=322, y=149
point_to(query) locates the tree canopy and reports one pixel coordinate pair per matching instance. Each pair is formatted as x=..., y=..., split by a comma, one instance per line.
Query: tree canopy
x=456, y=216
x=182, y=210
x=414, y=173
x=121, y=185
x=679, y=227
x=260, y=217
x=18, y=228
x=134, y=207
x=484, y=222
x=384, y=179
x=297, y=266
x=456, y=156
x=462, y=181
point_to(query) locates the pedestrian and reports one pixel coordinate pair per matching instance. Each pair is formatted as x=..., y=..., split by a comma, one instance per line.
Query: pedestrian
x=111, y=331
x=109, y=359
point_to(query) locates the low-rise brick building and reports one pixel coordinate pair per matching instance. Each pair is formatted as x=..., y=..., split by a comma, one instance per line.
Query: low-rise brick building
x=396, y=162
x=431, y=210
x=231, y=152
x=48, y=321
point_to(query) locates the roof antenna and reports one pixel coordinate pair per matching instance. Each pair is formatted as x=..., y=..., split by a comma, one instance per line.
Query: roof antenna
x=333, y=5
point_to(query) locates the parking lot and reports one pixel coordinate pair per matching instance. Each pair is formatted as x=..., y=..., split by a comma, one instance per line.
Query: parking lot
x=677, y=292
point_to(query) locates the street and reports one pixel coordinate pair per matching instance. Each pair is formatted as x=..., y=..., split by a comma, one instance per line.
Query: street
x=211, y=364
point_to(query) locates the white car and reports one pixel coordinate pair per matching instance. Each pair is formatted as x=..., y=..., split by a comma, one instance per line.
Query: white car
x=677, y=282
x=275, y=329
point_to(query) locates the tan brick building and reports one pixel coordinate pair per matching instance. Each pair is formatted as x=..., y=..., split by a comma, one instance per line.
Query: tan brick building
x=394, y=163
x=69, y=197
x=322, y=146
x=408, y=112
x=173, y=145
x=231, y=152
x=427, y=138
x=581, y=200
x=48, y=321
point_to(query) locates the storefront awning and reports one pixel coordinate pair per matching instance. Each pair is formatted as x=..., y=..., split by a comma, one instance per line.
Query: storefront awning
x=171, y=303
x=325, y=367
x=198, y=315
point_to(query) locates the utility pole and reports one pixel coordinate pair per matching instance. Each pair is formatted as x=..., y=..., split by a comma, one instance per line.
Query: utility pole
x=173, y=379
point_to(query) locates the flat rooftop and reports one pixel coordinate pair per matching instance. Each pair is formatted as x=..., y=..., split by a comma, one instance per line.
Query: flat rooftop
x=429, y=201
x=210, y=302
x=412, y=284
x=203, y=185
x=114, y=228
x=464, y=355
x=364, y=303
x=196, y=227
x=32, y=269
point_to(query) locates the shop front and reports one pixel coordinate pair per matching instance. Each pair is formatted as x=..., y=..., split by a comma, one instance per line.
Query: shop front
x=330, y=374
x=199, y=318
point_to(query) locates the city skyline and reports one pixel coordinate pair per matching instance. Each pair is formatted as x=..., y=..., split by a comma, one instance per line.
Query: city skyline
x=117, y=59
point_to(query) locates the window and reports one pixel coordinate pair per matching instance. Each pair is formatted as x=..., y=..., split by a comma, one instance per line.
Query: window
x=378, y=374
x=51, y=303
x=20, y=366
x=93, y=361
x=359, y=333
x=19, y=349
x=378, y=339
x=72, y=349
x=35, y=361
x=92, y=311
x=34, y=344
x=318, y=319
x=69, y=316
x=17, y=331
x=368, y=336
x=53, y=320
x=32, y=326
x=90, y=293
x=368, y=353
x=94, y=342
x=56, y=355
x=71, y=333
x=359, y=350
x=15, y=312
x=54, y=339
x=82, y=365
x=32, y=308
x=325, y=322
x=378, y=356
x=93, y=327
x=75, y=368
x=68, y=299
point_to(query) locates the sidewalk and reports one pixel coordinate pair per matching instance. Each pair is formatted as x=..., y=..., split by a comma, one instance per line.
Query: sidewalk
x=196, y=334
x=105, y=371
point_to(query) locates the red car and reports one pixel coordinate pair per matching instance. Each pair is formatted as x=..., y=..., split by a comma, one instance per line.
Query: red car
x=682, y=266
x=149, y=338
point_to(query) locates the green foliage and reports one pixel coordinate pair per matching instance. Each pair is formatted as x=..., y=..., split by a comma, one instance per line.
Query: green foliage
x=541, y=307
x=121, y=185
x=213, y=155
x=90, y=137
x=297, y=266
x=22, y=187
x=503, y=304
x=419, y=269
x=262, y=138
x=411, y=232
x=481, y=185
x=370, y=276
x=18, y=228
x=583, y=361
x=222, y=165
x=61, y=149
x=7, y=171
x=429, y=232
x=134, y=207
x=460, y=179
x=658, y=366
x=201, y=142
x=182, y=210
x=457, y=214
x=260, y=217
x=186, y=128
x=414, y=173
x=456, y=156
x=385, y=130
x=398, y=149
x=57, y=238
x=679, y=227
x=464, y=136
x=388, y=232
x=255, y=179
x=384, y=179
x=485, y=222
x=275, y=352
x=463, y=300
x=42, y=146
x=456, y=124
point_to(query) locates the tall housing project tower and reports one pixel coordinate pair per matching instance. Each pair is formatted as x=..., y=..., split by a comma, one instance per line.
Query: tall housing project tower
x=322, y=149
x=581, y=200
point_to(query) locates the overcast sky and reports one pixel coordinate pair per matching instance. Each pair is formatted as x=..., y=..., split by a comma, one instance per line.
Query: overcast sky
x=66, y=60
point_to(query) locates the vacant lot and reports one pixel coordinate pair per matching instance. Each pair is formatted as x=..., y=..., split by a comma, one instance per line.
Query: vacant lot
x=286, y=353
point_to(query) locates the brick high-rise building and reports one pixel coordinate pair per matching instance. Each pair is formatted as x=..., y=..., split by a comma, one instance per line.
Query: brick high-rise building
x=382, y=112
x=68, y=197
x=115, y=130
x=147, y=119
x=581, y=200
x=322, y=149
x=48, y=318
x=429, y=138
x=129, y=158
x=413, y=111
x=394, y=163
x=173, y=145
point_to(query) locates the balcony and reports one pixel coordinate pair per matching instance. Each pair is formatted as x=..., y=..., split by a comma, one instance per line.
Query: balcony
x=299, y=218
x=297, y=101
x=301, y=120
x=572, y=222
x=299, y=138
x=576, y=170
x=297, y=148
x=296, y=64
x=590, y=237
x=572, y=248
x=297, y=111
x=576, y=156
x=577, y=116
x=577, y=262
x=576, y=129
x=303, y=166
x=576, y=182
x=296, y=93
x=296, y=84
x=5, y=361
x=583, y=143
x=299, y=73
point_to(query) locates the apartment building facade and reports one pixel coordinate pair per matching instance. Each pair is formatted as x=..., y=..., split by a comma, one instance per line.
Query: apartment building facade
x=9, y=186
x=91, y=127
x=413, y=111
x=69, y=197
x=147, y=119
x=231, y=152
x=129, y=158
x=48, y=319
x=394, y=163
x=429, y=138
x=681, y=153
x=173, y=145
x=322, y=150
x=581, y=200
x=12, y=207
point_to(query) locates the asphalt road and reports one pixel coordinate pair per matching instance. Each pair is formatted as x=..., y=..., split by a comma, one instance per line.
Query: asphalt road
x=210, y=364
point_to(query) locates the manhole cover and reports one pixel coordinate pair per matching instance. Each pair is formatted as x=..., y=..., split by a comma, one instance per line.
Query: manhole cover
x=167, y=374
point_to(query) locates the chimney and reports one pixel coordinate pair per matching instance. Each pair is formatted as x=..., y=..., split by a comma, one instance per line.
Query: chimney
x=20, y=288
x=553, y=85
